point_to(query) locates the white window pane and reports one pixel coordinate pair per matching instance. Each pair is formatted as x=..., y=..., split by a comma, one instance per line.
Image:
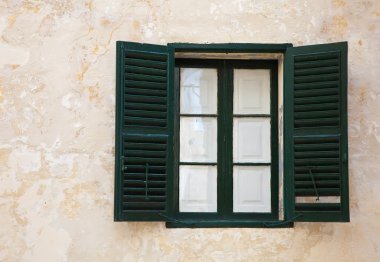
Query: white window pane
x=251, y=140
x=198, y=139
x=251, y=91
x=198, y=189
x=251, y=186
x=198, y=91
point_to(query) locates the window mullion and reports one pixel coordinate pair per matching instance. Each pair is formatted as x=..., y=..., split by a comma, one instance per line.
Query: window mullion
x=226, y=145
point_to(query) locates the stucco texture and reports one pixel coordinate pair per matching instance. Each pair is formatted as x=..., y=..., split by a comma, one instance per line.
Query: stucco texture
x=57, y=111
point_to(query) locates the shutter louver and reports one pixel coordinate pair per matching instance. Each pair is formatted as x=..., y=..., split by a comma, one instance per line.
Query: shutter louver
x=143, y=139
x=316, y=171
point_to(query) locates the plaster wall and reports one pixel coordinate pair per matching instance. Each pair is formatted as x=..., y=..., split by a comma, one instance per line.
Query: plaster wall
x=57, y=108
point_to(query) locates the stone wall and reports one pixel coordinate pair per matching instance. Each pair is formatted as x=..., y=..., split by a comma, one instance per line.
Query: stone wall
x=57, y=111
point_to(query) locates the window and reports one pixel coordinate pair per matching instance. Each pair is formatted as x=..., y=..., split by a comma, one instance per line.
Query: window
x=231, y=135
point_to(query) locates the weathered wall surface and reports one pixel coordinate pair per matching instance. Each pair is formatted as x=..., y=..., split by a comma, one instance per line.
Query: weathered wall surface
x=57, y=107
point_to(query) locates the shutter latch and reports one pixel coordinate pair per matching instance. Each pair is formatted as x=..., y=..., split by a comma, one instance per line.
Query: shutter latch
x=146, y=180
x=314, y=184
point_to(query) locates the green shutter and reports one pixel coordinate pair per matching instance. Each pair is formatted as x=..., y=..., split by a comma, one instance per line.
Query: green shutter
x=315, y=138
x=143, y=133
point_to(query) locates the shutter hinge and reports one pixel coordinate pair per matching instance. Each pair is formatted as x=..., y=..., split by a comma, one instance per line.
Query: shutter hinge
x=345, y=158
x=123, y=166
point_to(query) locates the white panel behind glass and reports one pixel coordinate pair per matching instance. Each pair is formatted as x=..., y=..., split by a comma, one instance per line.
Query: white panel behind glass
x=251, y=140
x=197, y=188
x=251, y=189
x=251, y=91
x=198, y=91
x=198, y=139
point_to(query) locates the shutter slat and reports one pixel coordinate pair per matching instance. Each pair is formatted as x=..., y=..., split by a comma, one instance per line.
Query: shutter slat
x=151, y=64
x=151, y=184
x=316, y=147
x=142, y=176
x=316, y=78
x=316, y=57
x=316, y=92
x=144, y=106
x=143, y=160
x=316, y=63
x=316, y=71
x=316, y=132
x=144, y=91
x=145, y=146
x=316, y=154
x=135, y=191
x=137, y=198
x=316, y=114
x=145, y=78
x=316, y=100
x=145, y=99
x=145, y=84
x=315, y=161
x=144, y=153
x=146, y=55
x=317, y=122
x=146, y=113
x=310, y=192
x=146, y=121
x=317, y=176
x=315, y=107
x=320, y=184
x=145, y=71
x=316, y=85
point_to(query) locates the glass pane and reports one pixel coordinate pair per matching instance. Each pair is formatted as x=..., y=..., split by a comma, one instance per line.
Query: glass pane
x=251, y=140
x=251, y=91
x=197, y=189
x=198, y=91
x=251, y=185
x=198, y=139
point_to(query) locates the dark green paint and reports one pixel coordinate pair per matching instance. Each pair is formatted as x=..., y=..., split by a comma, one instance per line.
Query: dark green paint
x=141, y=79
x=327, y=128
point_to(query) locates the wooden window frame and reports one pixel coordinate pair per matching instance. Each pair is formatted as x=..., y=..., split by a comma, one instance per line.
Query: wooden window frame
x=225, y=117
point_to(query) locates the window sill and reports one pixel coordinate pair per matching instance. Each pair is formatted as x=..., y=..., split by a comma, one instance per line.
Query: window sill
x=229, y=224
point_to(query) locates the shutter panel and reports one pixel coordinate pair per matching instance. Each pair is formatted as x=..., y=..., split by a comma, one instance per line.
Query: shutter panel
x=143, y=133
x=315, y=142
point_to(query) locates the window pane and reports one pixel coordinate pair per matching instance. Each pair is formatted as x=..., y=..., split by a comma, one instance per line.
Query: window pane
x=251, y=185
x=198, y=139
x=251, y=140
x=197, y=189
x=251, y=91
x=198, y=91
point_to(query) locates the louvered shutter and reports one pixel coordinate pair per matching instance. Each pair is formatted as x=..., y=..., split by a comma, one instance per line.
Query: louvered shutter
x=315, y=138
x=143, y=133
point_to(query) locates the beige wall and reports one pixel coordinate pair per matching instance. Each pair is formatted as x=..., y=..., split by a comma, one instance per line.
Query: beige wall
x=57, y=107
